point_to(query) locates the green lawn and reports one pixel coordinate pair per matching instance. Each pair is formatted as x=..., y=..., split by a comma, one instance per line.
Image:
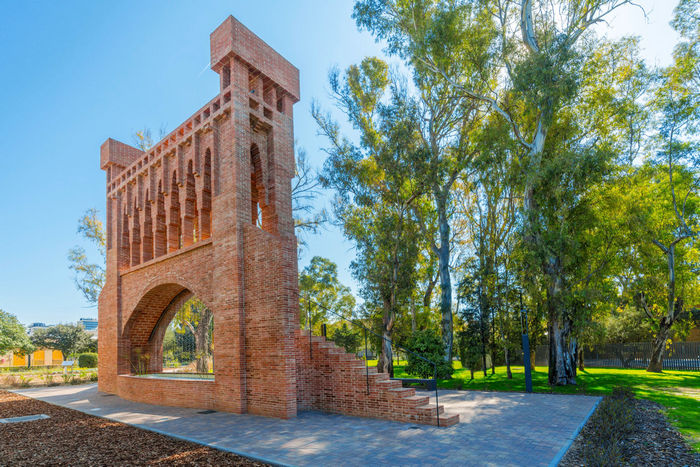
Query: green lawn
x=678, y=391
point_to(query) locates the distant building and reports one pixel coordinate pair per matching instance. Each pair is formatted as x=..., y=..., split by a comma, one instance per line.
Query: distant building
x=32, y=328
x=89, y=324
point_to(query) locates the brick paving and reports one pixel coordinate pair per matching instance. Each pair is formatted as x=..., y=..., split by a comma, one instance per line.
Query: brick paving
x=495, y=429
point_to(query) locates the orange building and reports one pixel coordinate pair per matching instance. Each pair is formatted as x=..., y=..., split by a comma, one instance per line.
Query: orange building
x=42, y=357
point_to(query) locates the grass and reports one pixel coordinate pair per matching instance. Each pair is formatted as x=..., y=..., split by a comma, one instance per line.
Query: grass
x=678, y=391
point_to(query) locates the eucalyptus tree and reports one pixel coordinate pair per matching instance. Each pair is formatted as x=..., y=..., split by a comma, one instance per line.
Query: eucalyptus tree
x=376, y=186
x=678, y=154
x=538, y=50
x=447, y=117
x=306, y=187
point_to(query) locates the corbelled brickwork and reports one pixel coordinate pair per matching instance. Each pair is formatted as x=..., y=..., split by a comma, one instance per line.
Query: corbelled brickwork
x=207, y=212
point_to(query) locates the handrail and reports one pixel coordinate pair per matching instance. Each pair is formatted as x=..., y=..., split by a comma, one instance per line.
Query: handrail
x=391, y=343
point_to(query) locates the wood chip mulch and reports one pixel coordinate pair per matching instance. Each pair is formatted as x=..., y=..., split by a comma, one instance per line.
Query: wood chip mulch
x=70, y=437
x=654, y=441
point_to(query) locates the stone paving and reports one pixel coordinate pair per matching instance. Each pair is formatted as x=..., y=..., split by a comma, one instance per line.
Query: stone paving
x=497, y=429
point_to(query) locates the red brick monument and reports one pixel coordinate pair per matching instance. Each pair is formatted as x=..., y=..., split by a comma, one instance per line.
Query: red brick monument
x=207, y=212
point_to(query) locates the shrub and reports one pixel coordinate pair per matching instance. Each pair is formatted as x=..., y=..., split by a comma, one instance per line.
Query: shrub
x=87, y=360
x=346, y=338
x=25, y=381
x=611, y=423
x=428, y=344
x=68, y=378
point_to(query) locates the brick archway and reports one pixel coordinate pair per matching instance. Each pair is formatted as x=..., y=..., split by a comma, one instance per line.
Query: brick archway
x=145, y=329
x=182, y=219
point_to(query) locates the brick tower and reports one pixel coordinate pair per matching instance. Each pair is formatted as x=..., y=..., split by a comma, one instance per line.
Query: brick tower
x=207, y=212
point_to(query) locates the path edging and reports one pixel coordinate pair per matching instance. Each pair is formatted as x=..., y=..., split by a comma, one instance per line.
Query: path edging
x=562, y=452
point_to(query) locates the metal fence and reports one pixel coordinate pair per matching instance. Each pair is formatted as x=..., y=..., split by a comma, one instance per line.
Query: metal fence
x=678, y=356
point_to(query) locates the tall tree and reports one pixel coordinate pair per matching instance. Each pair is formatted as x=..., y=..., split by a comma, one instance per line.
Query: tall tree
x=447, y=116
x=375, y=184
x=537, y=48
x=70, y=339
x=679, y=153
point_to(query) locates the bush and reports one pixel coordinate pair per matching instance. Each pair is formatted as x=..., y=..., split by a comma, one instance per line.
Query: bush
x=346, y=338
x=611, y=423
x=87, y=360
x=429, y=345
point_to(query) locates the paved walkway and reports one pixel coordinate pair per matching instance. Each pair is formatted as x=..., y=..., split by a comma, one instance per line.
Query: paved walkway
x=495, y=429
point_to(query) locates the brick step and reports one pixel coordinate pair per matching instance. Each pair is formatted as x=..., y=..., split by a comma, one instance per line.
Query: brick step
x=446, y=420
x=388, y=383
x=360, y=366
x=428, y=410
x=402, y=393
x=417, y=401
x=403, y=403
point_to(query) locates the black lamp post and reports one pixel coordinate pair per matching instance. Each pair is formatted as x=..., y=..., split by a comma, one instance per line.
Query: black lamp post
x=526, y=346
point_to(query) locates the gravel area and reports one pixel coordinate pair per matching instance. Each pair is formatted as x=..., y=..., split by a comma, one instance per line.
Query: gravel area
x=70, y=437
x=653, y=442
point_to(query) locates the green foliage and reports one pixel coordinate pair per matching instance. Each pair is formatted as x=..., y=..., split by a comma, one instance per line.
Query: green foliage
x=13, y=336
x=347, y=338
x=25, y=381
x=89, y=277
x=68, y=338
x=68, y=377
x=427, y=343
x=469, y=347
x=87, y=360
x=375, y=184
x=319, y=291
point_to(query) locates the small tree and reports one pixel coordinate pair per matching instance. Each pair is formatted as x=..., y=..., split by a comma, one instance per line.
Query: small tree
x=346, y=338
x=320, y=290
x=427, y=344
x=13, y=336
x=70, y=339
x=469, y=345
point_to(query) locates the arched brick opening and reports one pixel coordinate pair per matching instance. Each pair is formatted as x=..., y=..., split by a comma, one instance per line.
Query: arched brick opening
x=142, y=350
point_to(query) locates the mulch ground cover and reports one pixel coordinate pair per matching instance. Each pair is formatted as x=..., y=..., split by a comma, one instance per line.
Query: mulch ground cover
x=652, y=442
x=70, y=437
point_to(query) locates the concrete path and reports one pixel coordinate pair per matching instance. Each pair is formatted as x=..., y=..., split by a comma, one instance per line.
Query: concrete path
x=496, y=429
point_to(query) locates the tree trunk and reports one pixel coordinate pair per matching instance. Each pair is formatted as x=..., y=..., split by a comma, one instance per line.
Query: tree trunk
x=507, y=357
x=413, y=317
x=675, y=306
x=201, y=338
x=493, y=344
x=385, y=362
x=562, y=361
x=579, y=353
x=656, y=363
x=443, y=252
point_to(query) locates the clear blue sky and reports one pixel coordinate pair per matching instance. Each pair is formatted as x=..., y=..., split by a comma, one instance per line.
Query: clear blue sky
x=75, y=73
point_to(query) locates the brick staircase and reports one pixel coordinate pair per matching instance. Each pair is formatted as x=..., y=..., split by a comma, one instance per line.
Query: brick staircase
x=331, y=380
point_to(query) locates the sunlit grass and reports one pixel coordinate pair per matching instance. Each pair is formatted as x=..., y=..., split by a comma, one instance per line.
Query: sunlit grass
x=678, y=391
